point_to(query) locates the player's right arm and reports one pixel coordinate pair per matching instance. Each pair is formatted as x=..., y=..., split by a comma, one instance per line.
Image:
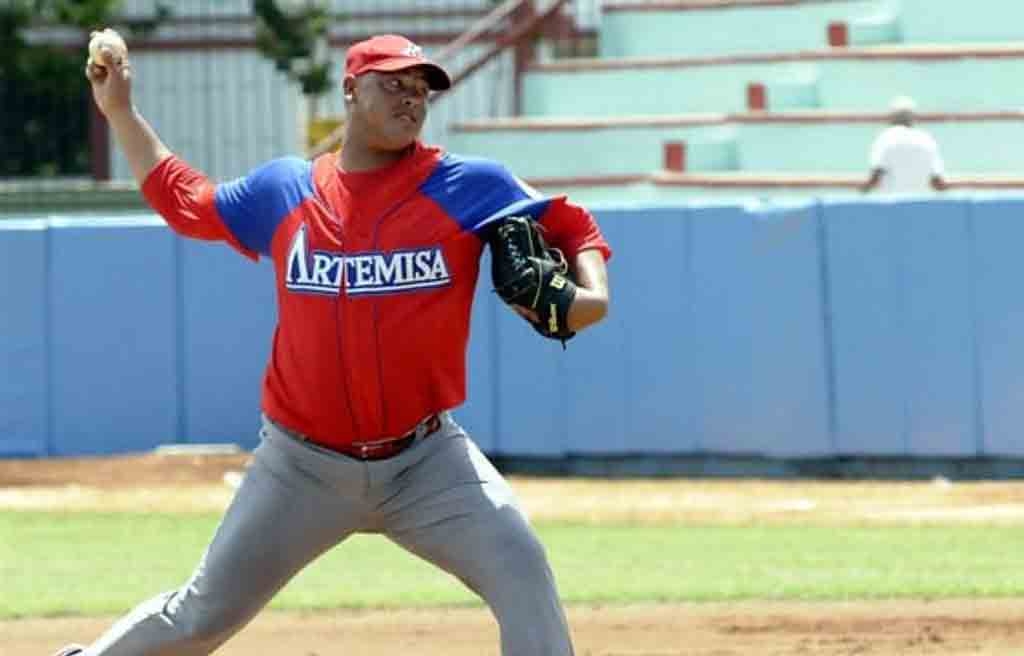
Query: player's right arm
x=244, y=213
x=111, y=83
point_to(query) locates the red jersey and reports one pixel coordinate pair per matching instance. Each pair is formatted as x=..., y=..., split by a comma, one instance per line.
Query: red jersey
x=376, y=273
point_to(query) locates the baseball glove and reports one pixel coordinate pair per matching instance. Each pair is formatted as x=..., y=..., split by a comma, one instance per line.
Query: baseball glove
x=528, y=273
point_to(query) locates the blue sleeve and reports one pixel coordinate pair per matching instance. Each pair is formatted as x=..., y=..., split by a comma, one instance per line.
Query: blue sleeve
x=476, y=192
x=254, y=206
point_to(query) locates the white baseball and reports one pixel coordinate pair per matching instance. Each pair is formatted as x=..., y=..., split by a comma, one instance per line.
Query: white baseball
x=108, y=39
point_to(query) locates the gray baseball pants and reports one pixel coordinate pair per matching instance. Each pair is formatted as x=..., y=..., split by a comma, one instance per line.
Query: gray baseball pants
x=441, y=499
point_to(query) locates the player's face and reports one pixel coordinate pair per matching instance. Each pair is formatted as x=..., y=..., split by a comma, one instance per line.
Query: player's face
x=390, y=107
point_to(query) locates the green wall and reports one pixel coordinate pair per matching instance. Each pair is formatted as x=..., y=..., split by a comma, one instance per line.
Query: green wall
x=943, y=85
x=787, y=28
x=947, y=21
x=607, y=151
x=967, y=147
x=725, y=31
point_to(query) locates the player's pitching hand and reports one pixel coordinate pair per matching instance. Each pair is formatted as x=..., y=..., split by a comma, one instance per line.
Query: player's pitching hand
x=109, y=72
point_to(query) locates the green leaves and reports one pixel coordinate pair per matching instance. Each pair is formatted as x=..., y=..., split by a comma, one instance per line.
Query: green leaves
x=44, y=93
x=86, y=14
x=296, y=41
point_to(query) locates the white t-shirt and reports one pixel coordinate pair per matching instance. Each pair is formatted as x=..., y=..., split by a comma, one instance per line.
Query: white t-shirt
x=909, y=158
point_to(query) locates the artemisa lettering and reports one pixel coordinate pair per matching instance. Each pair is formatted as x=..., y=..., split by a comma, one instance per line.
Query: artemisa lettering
x=387, y=272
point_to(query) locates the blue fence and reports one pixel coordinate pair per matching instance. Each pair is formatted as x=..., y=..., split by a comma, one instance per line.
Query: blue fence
x=811, y=329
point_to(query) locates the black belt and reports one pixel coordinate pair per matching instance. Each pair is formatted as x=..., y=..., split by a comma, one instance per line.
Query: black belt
x=384, y=449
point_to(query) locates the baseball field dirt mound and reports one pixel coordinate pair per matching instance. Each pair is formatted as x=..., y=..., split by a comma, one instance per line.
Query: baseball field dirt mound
x=112, y=472
x=876, y=628
x=896, y=628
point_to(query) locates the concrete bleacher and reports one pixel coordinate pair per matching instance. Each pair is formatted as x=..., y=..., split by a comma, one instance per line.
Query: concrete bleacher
x=761, y=89
x=973, y=142
x=687, y=28
x=668, y=189
x=842, y=78
x=925, y=21
x=622, y=146
x=632, y=28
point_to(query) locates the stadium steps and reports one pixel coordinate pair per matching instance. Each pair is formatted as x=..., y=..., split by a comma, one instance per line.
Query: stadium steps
x=763, y=97
x=642, y=28
x=784, y=142
x=688, y=28
x=598, y=146
x=877, y=29
x=987, y=78
x=666, y=187
x=929, y=21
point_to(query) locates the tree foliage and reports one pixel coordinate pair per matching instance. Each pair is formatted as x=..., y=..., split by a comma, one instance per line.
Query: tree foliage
x=43, y=91
x=294, y=36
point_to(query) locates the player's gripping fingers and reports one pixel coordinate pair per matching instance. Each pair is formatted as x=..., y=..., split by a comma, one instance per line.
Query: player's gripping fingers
x=109, y=71
x=107, y=48
x=95, y=73
x=111, y=85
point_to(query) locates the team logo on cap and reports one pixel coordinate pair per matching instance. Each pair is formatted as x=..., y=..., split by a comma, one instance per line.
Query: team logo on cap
x=413, y=50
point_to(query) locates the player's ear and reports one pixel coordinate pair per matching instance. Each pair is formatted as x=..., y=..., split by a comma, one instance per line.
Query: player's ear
x=348, y=86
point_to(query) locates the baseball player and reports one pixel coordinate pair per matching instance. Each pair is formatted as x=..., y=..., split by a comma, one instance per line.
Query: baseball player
x=376, y=254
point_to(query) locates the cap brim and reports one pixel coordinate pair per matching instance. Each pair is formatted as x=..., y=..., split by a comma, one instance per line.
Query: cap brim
x=436, y=76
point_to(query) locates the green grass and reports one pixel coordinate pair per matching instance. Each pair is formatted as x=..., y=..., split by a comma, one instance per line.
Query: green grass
x=98, y=563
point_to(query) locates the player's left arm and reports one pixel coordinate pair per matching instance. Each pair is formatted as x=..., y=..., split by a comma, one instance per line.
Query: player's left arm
x=574, y=230
x=590, y=272
x=481, y=193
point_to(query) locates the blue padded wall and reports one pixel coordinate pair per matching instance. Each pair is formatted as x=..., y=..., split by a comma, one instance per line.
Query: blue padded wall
x=901, y=327
x=598, y=366
x=227, y=318
x=24, y=401
x=790, y=403
x=112, y=325
x=863, y=261
x=652, y=304
x=720, y=289
x=941, y=395
x=632, y=380
x=531, y=390
x=998, y=269
x=477, y=415
x=860, y=327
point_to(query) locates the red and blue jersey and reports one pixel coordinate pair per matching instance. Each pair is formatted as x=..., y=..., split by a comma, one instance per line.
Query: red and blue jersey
x=375, y=273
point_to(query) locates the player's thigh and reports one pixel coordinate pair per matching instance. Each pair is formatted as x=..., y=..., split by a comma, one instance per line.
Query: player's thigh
x=459, y=513
x=280, y=519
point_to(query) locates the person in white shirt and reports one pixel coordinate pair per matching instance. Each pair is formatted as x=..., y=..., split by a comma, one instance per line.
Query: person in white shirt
x=905, y=159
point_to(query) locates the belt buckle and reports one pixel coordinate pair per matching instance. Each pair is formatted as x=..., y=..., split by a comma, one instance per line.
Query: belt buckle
x=426, y=427
x=367, y=449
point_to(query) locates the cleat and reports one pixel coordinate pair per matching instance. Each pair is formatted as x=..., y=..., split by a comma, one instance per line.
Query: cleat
x=70, y=650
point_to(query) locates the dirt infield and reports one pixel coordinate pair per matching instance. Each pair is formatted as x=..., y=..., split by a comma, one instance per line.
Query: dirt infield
x=765, y=629
x=938, y=628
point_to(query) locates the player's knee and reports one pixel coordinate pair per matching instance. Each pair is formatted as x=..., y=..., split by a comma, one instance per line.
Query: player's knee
x=526, y=602
x=201, y=623
x=521, y=557
x=527, y=550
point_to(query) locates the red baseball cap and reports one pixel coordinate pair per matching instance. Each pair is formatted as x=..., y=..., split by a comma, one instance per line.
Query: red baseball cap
x=388, y=53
